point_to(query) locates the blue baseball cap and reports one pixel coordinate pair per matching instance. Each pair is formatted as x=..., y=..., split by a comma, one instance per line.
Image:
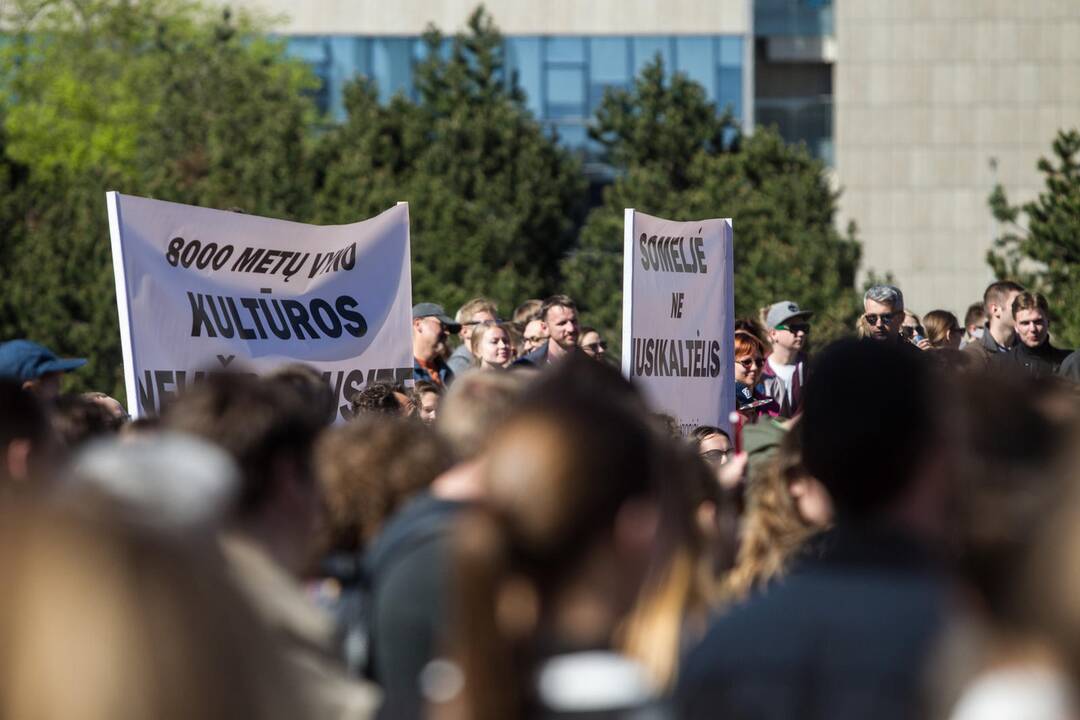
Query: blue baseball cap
x=24, y=360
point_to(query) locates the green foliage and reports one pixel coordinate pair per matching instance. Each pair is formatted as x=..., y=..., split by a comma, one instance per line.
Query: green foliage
x=669, y=145
x=1045, y=256
x=161, y=98
x=493, y=198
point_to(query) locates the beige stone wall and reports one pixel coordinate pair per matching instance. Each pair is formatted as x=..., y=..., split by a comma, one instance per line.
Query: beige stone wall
x=514, y=17
x=926, y=92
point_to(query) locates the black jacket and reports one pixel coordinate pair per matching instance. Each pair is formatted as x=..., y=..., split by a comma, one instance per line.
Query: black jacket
x=409, y=569
x=844, y=636
x=1038, y=362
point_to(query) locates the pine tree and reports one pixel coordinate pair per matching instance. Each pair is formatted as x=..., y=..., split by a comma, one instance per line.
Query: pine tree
x=493, y=197
x=676, y=157
x=1044, y=256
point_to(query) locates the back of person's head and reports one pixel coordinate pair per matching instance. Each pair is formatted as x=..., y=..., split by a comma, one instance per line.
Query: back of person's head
x=681, y=588
x=998, y=292
x=1011, y=483
x=77, y=420
x=528, y=310
x=380, y=398
x=938, y=324
x=475, y=407
x=317, y=395
x=567, y=477
x=773, y=528
x=108, y=618
x=25, y=438
x=975, y=315
x=478, y=304
x=556, y=301
x=869, y=421
x=1030, y=301
x=368, y=469
x=262, y=424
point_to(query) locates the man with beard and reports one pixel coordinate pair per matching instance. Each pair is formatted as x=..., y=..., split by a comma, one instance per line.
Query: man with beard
x=431, y=327
x=785, y=369
x=560, y=315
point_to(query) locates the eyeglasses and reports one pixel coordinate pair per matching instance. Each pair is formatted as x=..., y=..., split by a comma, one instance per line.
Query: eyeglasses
x=795, y=328
x=911, y=331
x=716, y=457
x=756, y=361
x=593, y=347
x=886, y=318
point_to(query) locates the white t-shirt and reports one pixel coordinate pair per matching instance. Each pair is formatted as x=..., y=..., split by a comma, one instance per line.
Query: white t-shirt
x=785, y=373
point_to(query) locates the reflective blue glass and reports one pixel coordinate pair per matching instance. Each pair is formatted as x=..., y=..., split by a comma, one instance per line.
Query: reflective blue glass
x=694, y=58
x=646, y=49
x=609, y=66
x=573, y=135
x=392, y=66
x=523, y=56
x=565, y=92
x=565, y=49
x=730, y=92
x=731, y=51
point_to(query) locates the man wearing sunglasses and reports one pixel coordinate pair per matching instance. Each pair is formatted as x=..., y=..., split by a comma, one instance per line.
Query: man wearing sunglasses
x=785, y=370
x=884, y=314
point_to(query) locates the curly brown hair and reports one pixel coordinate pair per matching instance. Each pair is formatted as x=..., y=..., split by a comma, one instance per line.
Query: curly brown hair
x=370, y=467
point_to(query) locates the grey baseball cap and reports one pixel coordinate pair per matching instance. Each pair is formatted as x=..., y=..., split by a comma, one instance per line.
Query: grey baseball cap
x=423, y=310
x=783, y=311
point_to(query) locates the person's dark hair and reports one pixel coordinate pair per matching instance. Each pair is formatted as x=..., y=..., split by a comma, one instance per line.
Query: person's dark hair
x=861, y=445
x=256, y=421
x=576, y=451
x=76, y=420
x=377, y=398
x=1008, y=491
x=998, y=292
x=315, y=389
x=703, y=431
x=21, y=418
x=750, y=326
x=556, y=301
x=975, y=315
x=370, y=467
x=423, y=387
x=1030, y=301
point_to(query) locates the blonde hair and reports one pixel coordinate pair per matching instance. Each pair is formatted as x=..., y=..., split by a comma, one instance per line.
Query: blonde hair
x=106, y=619
x=682, y=588
x=937, y=324
x=475, y=406
x=773, y=528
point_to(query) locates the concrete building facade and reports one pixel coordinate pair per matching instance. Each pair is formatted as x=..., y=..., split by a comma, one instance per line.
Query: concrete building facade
x=935, y=102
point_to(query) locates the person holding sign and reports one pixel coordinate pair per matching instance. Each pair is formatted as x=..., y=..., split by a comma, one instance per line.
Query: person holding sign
x=431, y=327
x=750, y=396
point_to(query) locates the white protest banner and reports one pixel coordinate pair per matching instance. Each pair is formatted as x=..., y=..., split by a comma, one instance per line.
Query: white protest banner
x=198, y=290
x=678, y=316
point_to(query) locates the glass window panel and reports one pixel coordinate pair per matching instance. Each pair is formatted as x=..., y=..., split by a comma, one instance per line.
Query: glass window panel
x=565, y=90
x=646, y=49
x=694, y=58
x=609, y=60
x=730, y=91
x=566, y=49
x=731, y=51
x=311, y=49
x=523, y=56
x=392, y=66
x=572, y=135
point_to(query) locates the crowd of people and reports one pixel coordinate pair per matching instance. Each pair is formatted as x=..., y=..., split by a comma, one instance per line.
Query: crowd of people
x=888, y=528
